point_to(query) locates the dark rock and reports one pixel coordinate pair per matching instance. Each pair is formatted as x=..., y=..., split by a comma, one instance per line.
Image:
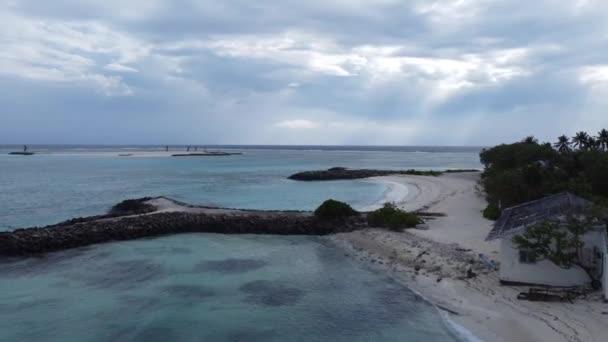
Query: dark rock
x=270, y=293
x=21, y=153
x=190, y=292
x=231, y=265
x=471, y=274
x=98, y=229
x=132, y=207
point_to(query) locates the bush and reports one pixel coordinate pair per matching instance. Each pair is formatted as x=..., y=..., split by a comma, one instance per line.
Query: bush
x=491, y=212
x=412, y=172
x=393, y=218
x=131, y=207
x=332, y=209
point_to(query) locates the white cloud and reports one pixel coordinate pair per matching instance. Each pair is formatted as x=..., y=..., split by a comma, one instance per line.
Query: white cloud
x=297, y=124
x=373, y=65
x=594, y=74
x=343, y=71
x=119, y=68
x=54, y=51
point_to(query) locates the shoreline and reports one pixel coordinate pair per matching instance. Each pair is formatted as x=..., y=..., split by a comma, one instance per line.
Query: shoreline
x=394, y=192
x=434, y=263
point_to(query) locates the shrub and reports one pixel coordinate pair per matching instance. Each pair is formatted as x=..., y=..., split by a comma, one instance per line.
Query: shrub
x=132, y=206
x=332, y=209
x=412, y=172
x=491, y=212
x=393, y=218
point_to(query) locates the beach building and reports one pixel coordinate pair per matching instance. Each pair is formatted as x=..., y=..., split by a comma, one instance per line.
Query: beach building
x=520, y=267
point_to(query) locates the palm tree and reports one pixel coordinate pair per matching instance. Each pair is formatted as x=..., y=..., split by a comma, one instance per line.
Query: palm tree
x=593, y=143
x=530, y=140
x=602, y=139
x=563, y=144
x=581, y=140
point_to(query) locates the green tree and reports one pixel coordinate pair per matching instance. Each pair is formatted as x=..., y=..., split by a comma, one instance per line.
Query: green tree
x=334, y=210
x=559, y=241
x=525, y=171
x=518, y=173
x=581, y=140
x=602, y=139
x=563, y=144
x=393, y=218
x=593, y=144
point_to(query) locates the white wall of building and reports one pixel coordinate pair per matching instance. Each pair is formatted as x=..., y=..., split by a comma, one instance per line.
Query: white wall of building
x=545, y=272
x=605, y=282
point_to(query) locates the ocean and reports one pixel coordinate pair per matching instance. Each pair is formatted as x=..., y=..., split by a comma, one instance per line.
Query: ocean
x=62, y=182
x=204, y=287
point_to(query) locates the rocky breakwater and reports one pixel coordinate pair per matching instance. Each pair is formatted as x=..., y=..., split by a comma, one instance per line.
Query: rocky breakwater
x=136, y=220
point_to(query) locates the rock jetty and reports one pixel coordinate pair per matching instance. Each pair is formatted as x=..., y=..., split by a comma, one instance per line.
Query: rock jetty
x=149, y=217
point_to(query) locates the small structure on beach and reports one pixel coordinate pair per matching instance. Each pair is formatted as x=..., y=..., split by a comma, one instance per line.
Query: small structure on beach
x=521, y=267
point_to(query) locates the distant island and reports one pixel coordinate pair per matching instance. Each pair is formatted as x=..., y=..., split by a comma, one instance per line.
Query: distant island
x=206, y=154
x=342, y=173
x=21, y=153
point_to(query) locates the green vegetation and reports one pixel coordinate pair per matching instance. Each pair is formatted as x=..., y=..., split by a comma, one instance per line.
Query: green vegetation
x=460, y=170
x=393, y=218
x=430, y=214
x=559, y=242
x=528, y=170
x=132, y=206
x=491, y=212
x=413, y=172
x=433, y=173
x=332, y=209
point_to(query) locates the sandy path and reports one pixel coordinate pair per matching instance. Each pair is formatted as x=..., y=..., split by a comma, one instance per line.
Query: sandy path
x=434, y=263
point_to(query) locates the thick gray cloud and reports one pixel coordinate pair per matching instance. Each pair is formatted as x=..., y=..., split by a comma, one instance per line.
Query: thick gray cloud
x=291, y=72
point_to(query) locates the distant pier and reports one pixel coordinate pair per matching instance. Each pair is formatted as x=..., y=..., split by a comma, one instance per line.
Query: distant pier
x=25, y=152
x=206, y=154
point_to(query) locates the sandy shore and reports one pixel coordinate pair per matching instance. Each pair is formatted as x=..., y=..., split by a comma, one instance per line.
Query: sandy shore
x=434, y=263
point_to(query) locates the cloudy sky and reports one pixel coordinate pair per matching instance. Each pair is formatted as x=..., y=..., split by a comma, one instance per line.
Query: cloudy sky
x=367, y=72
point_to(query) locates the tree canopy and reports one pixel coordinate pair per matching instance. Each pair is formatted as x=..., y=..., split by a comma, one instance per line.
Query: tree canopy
x=559, y=241
x=528, y=170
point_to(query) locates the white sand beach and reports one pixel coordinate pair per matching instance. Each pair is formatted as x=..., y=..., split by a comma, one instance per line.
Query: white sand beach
x=434, y=262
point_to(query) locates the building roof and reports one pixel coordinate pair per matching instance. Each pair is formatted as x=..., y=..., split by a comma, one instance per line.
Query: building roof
x=530, y=213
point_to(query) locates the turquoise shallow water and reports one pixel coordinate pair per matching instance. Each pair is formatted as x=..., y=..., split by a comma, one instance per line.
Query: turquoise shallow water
x=47, y=188
x=207, y=287
x=203, y=287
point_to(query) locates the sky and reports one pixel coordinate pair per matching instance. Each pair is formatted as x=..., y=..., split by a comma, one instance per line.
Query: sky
x=315, y=72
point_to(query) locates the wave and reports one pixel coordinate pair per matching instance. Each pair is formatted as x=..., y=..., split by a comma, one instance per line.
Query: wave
x=394, y=192
x=458, y=330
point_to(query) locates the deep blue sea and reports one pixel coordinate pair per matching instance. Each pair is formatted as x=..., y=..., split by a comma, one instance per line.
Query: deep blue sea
x=203, y=287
